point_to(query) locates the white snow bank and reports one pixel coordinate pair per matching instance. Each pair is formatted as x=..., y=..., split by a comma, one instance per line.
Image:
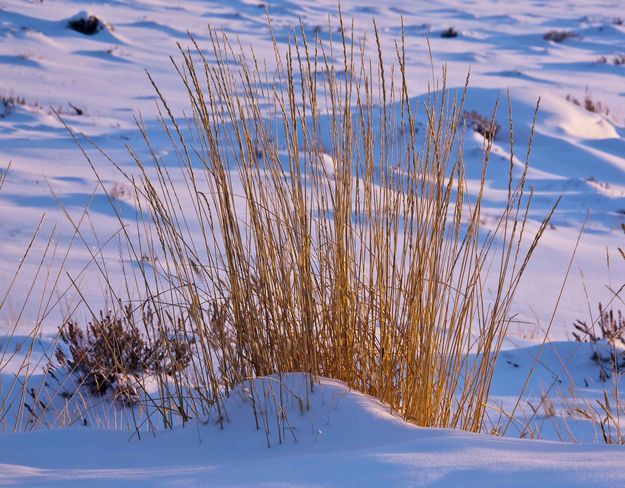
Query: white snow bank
x=345, y=439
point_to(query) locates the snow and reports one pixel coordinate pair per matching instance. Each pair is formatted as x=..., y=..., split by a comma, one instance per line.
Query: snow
x=336, y=437
x=345, y=439
x=98, y=85
x=577, y=154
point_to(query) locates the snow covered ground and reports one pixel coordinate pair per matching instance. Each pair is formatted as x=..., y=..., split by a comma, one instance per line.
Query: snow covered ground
x=577, y=153
x=98, y=84
x=346, y=439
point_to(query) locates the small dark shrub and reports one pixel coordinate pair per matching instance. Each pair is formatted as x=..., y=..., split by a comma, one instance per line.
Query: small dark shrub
x=482, y=125
x=111, y=352
x=87, y=26
x=449, y=33
x=110, y=346
x=560, y=36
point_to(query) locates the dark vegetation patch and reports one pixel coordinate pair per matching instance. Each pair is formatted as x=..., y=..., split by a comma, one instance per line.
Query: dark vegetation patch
x=114, y=349
x=482, y=125
x=560, y=36
x=88, y=26
x=8, y=104
x=449, y=33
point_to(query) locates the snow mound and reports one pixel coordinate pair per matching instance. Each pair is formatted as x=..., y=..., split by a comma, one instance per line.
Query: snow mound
x=344, y=439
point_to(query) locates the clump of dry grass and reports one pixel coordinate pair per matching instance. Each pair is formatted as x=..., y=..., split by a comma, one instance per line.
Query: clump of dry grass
x=609, y=326
x=590, y=104
x=605, y=414
x=313, y=235
x=8, y=103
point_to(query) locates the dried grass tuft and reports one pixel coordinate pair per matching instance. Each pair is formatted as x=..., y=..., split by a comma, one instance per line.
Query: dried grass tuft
x=329, y=239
